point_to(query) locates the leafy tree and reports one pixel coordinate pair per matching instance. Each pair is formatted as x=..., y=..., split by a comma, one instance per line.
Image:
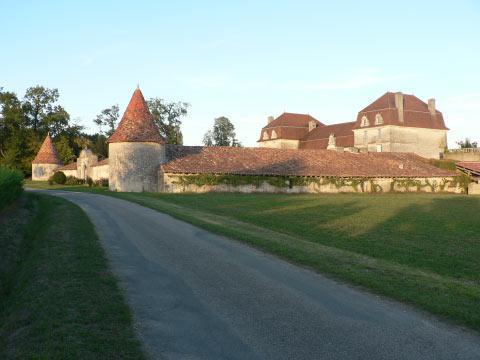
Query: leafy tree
x=467, y=143
x=222, y=134
x=108, y=117
x=167, y=117
x=64, y=149
x=39, y=104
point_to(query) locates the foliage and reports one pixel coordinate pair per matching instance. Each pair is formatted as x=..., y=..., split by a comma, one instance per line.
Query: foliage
x=89, y=181
x=103, y=182
x=108, y=117
x=443, y=164
x=58, y=177
x=64, y=150
x=167, y=117
x=222, y=134
x=467, y=144
x=73, y=180
x=11, y=186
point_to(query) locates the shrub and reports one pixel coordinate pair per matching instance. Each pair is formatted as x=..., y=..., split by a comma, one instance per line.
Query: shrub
x=101, y=182
x=11, y=186
x=443, y=164
x=59, y=178
x=72, y=180
x=89, y=181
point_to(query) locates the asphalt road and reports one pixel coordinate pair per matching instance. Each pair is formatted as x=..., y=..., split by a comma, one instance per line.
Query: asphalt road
x=196, y=295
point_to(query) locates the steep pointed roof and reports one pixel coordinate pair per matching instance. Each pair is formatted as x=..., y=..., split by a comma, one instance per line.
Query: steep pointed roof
x=47, y=153
x=137, y=123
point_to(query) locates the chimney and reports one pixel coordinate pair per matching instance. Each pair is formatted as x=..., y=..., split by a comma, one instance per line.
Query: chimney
x=431, y=106
x=311, y=125
x=270, y=119
x=399, y=105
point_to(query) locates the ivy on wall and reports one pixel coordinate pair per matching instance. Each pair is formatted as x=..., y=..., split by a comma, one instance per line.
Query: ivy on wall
x=356, y=183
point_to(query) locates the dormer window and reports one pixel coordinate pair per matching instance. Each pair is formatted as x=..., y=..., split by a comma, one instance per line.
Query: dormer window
x=274, y=134
x=378, y=119
x=364, y=122
x=265, y=135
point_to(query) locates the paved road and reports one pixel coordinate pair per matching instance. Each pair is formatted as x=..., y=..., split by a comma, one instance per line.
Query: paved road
x=196, y=295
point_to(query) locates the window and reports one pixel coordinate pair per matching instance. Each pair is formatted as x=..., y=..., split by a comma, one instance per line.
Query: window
x=265, y=135
x=365, y=137
x=364, y=122
x=379, y=135
x=274, y=134
x=378, y=119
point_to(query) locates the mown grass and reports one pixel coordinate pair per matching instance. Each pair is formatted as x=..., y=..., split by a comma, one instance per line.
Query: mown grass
x=58, y=299
x=421, y=249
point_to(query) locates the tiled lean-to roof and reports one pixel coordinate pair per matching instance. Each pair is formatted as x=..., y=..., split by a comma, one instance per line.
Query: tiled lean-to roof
x=137, y=123
x=288, y=126
x=47, y=153
x=71, y=166
x=286, y=162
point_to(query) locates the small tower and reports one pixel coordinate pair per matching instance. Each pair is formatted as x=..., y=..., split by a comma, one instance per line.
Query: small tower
x=46, y=161
x=135, y=150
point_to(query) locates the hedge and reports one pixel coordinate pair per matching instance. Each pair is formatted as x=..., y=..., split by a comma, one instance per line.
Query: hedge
x=11, y=186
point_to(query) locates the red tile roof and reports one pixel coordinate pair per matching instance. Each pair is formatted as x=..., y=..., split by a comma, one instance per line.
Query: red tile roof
x=47, y=153
x=137, y=124
x=416, y=113
x=289, y=126
x=318, y=137
x=71, y=166
x=101, y=163
x=286, y=162
x=470, y=166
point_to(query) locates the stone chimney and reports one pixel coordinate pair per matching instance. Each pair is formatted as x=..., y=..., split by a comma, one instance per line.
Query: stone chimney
x=399, y=105
x=311, y=125
x=270, y=119
x=431, y=106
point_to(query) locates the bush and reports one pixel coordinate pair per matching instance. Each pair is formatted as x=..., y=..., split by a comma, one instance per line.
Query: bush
x=72, y=180
x=101, y=182
x=11, y=186
x=58, y=178
x=89, y=181
x=443, y=164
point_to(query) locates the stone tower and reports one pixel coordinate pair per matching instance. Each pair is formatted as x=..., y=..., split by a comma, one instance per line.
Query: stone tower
x=46, y=161
x=135, y=150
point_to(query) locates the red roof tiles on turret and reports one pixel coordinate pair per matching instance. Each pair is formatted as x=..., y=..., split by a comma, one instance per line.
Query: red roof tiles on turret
x=47, y=153
x=137, y=123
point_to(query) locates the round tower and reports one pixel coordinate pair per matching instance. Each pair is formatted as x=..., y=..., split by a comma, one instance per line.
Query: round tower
x=46, y=161
x=135, y=150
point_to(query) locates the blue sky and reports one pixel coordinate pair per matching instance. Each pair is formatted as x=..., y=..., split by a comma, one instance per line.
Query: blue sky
x=247, y=59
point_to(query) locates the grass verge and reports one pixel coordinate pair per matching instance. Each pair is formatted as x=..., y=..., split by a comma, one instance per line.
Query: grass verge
x=420, y=249
x=58, y=299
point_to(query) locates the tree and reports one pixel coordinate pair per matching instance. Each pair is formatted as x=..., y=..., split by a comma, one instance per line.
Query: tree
x=64, y=150
x=465, y=144
x=108, y=117
x=38, y=104
x=167, y=117
x=223, y=134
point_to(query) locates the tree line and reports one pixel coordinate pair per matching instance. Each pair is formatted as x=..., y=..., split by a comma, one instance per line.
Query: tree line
x=24, y=123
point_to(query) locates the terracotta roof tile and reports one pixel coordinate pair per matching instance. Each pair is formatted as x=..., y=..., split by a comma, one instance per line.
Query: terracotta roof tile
x=47, y=153
x=137, y=124
x=318, y=137
x=101, y=163
x=289, y=126
x=416, y=113
x=471, y=166
x=71, y=166
x=286, y=162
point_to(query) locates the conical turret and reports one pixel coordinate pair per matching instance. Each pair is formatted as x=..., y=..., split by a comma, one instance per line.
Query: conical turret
x=46, y=161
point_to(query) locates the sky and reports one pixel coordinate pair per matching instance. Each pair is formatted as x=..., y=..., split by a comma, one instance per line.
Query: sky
x=247, y=59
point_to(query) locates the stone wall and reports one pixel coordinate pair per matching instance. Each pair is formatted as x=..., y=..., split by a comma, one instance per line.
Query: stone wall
x=133, y=167
x=70, y=173
x=280, y=144
x=42, y=172
x=462, y=156
x=428, y=143
x=99, y=172
x=474, y=188
x=173, y=183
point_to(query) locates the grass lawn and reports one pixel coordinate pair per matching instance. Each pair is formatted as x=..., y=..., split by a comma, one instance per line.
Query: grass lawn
x=58, y=299
x=421, y=249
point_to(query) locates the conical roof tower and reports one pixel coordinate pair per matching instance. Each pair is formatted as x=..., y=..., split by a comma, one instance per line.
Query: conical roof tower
x=137, y=123
x=47, y=153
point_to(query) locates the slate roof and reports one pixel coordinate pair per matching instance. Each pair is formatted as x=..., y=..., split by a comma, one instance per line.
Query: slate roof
x=416, y=113
x=47, y=153
x=289, y=126
x=137, y=123
x=290, y=162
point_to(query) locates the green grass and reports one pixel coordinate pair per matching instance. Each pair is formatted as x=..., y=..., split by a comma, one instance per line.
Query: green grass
x=421, y=249
x=58, y=299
